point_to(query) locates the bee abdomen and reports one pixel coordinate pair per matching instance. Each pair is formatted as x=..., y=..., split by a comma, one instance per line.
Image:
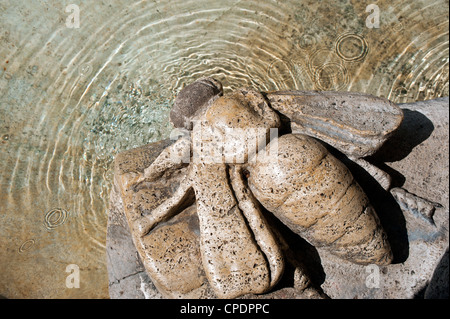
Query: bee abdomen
x=318, y=199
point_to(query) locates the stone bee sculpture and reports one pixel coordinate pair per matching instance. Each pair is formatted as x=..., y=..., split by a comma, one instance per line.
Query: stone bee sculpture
x=301, y=183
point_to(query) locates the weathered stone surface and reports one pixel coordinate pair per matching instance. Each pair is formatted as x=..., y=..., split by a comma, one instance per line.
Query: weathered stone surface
x=354, y=123
x=228, y=253
x=316, y=196
x=416, y=157
x=413, y=239
x=438, y=286
x=239, y=255
x=237, y=121
x=170, y=252
x=129, y=277
x=126, y=273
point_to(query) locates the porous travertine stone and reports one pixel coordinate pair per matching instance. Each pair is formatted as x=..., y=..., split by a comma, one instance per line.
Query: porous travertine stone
x=174, y=257
x=234, y=261
x=240, y=121
x=169, y=253
x=209, y=239
x=417, y=158
x=438, y=288
x=357, y=124
x=316, y=196
x=126, y=273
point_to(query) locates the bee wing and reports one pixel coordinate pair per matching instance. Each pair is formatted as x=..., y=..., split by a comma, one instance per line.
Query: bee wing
x=357, y=124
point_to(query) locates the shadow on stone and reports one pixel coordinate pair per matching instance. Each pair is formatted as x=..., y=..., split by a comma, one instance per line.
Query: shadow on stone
x=387, y=208
x=298, y=253
x=438, y=288
x=414, y=129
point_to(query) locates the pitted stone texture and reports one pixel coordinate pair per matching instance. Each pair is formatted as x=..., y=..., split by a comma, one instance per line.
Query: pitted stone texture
x=233, y=262
x=417, y=157
x=316, y=196
x=235, y=125
x=171, y=251
x=354, y=123
x=415, y=262
x=233, y=257
x=126, y=273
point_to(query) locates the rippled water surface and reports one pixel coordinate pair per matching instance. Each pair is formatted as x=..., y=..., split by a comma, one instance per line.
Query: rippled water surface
x=72, y=98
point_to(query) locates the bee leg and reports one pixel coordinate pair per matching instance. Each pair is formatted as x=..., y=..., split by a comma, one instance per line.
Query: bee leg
x=418, y=206
x=143, y=224
x=173, y=157
x=258, y=224
x=301, y=280
x=234, y=263
x=383, y=178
